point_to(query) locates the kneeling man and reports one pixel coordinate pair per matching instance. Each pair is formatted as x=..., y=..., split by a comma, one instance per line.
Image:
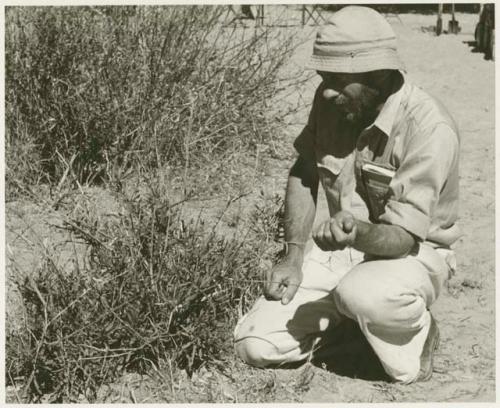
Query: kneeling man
x=386, y=154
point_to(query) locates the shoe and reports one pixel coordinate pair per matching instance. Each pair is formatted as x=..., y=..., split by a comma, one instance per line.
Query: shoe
x=427, y=357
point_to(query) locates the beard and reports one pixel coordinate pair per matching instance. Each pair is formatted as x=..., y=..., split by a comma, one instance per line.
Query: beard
x=358, y=104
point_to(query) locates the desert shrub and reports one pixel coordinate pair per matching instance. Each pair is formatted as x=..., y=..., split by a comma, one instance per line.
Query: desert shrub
x=154, y=289
x=96, y=89
x=267, y=217
x=92, y=92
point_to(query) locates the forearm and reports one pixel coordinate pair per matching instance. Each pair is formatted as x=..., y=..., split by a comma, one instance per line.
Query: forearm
x=384, y=240
x=300, y=207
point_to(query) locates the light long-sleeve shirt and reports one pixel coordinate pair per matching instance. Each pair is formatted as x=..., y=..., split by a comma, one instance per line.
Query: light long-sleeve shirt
x=414, y=138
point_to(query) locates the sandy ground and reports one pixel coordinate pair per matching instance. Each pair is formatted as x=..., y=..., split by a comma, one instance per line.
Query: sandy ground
x=446, y=67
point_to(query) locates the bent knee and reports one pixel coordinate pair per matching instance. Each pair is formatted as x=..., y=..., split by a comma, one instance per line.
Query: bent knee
x=377, y=302
x=257, y=352
x=354, y=296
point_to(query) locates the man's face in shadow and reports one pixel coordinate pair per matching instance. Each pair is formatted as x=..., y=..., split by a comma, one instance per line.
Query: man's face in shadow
x=357, y=100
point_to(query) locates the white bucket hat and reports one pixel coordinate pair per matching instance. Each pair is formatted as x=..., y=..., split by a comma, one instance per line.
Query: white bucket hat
x=355, y=39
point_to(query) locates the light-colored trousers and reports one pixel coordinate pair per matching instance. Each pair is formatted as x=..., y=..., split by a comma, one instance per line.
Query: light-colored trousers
x=389, y=298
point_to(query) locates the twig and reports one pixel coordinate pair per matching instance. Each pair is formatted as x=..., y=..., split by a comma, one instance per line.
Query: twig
x=132, y=396
x=66, y=171
x=228, y=204
x=15, y=387
x=86, y=234
x=103, y=357
x=40, y=341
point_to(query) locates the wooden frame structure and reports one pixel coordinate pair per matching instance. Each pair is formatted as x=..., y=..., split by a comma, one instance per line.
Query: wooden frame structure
x=312, y=12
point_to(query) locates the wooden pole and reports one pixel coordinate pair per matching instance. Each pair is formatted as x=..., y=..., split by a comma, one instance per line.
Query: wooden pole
x=453, y=25
x=439, y=24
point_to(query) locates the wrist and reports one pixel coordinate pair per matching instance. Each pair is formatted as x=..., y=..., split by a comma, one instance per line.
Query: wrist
x=294, y=252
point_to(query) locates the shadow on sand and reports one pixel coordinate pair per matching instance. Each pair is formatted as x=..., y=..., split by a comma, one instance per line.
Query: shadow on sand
x=476, y=50
x=349, y=354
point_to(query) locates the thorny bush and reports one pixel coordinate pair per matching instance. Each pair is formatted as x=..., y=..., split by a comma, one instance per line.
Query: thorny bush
x=154, y=289
x=91, y=93
x=92, y=90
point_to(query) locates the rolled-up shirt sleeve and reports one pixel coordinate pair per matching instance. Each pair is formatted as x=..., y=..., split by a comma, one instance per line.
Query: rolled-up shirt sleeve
x=415, y=188
x=304, y=143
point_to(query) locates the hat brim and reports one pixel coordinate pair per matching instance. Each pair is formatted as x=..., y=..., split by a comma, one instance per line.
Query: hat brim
x=355, y=64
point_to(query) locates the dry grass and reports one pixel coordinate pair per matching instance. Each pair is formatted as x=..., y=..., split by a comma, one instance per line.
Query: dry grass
x=154, y=290
x=93, y=93
x=141, y=101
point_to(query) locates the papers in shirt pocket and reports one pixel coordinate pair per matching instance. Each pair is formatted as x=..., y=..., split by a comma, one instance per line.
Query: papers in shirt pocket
x=376, y=181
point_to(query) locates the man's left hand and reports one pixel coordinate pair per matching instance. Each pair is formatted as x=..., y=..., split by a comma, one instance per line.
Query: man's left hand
x=336, y=233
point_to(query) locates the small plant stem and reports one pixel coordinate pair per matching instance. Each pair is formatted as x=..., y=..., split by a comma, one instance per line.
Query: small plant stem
x=187, y=140
x=14, y=385
x=41, y=340
x=86, y=234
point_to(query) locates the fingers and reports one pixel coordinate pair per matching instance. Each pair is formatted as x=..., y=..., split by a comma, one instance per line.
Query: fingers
x=335, y=233
x=282, y=283
x=344, y=232
x=274, y=288
x=327, y=235
x=335, y=228
x=283, y=290
x=291, y=290
x=322, y=236
x=348, y=224
x=318, y=238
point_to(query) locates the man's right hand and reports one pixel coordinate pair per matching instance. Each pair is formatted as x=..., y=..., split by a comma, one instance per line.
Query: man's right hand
x=282, y=281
